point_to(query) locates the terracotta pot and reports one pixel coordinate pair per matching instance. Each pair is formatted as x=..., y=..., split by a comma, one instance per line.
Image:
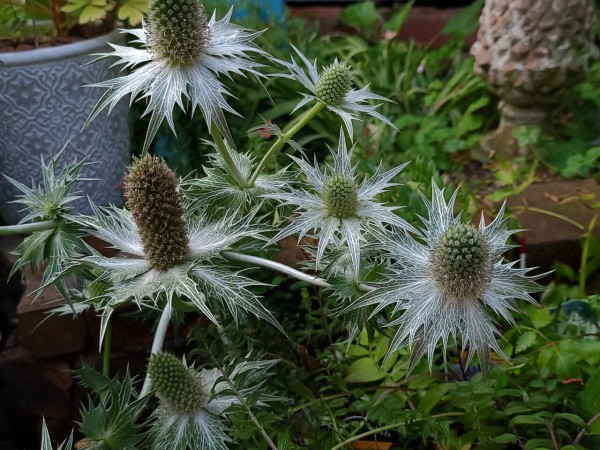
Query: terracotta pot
x=43, y=106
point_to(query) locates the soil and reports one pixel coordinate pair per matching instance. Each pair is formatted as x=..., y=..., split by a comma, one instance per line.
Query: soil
x=75, y=34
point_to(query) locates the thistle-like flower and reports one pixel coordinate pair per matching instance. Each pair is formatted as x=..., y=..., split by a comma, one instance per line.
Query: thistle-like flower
x=337, y=207
x=333, y=87
x=193, y=404
x=168, y=250
x=185, y=53
x=448, y=285
x=54, y=237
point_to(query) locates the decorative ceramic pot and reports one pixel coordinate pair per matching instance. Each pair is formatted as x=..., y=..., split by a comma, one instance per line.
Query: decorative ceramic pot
x=529, y=52
x=43, y=106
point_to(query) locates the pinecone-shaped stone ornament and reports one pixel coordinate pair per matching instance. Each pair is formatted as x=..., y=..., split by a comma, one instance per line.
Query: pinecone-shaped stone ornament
x=529, y=52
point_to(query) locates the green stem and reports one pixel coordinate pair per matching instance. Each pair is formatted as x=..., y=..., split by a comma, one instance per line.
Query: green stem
x=106, y=349
x=388, y=427
x=27, y=228
x=557, y=215
x=242, y=401
x=239, y=176
x=281, y=140
x=585, y=251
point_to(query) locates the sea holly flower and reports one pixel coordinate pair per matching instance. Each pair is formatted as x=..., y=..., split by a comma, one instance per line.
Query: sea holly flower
x=54, y=237
x=183, y=55
x=333, y=87
x=193, y=404
x=169, y=251
x=450, y=283
x=339, y=209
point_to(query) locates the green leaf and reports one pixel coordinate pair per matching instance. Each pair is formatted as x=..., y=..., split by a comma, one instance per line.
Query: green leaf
x=465, y=22
x=398, y=19
x=525, y=341
x=92, y=379
x=356, y=350
x=360, y=15
x=566, y=366
x=590, y=396
x=538, y=444
x=364, y=370
x=573, y=418
x=526, y=420
x=433, y=396
x=92, y=13
x=383, y=343
x=505, y=438
x=595, y=427
x=545, y=356
x=133, y=11
x=540, y=317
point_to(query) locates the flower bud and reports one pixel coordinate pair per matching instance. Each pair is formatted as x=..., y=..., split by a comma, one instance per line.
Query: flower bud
x=335, y=82
x=151, y=193
x=340, y=196
x=177, y=30
x=178, y=387
x=461, y=263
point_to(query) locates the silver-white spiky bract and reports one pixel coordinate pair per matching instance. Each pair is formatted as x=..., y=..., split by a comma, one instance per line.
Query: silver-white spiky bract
x=352, y=102
x=450, y=284
x=154, y=77
x=203, y=278
x=337, y=209
x=207, y=427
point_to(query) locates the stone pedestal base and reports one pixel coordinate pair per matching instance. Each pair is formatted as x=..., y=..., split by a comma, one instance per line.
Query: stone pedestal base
x=502, y=142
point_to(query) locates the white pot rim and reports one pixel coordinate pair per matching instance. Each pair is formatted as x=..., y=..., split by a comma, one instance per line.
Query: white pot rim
x=59, y=52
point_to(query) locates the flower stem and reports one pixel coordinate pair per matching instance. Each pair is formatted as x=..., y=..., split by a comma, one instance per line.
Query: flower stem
x=239, y=257
x=106, y=347
x=159, y=339
x=242, y=401
x=27, y=228
x=239, y=176
x=584, y=256
x=387, y=427
x=281, y=140
x=262, y=262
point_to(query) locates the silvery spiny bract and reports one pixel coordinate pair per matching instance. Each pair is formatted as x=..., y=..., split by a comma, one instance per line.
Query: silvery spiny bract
x=156, y=266
x=333, y=87
x=184, y=55
x=193, y=403
x=338, y=207
x=448, y=284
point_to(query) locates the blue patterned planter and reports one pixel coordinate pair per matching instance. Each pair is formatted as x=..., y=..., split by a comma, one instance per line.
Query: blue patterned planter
x=43, y=105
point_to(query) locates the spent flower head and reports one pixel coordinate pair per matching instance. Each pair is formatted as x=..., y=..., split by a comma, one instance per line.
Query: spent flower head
x=193, y=404
x=168, y=250
x=449, y=284
x=333, y=87
x=184, y=54
x=337, y=207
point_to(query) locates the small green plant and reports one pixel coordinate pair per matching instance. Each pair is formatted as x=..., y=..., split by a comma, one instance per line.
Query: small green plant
x=30, y=19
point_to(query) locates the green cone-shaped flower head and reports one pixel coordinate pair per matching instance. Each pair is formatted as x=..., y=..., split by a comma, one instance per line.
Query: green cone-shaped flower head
x=335, y=82
x=340, y=196
x=461, y=264
x=178, y=387
x=151, y=192
x=177, y=30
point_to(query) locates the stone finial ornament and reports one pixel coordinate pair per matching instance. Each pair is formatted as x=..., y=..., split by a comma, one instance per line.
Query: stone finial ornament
x=529, y=52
